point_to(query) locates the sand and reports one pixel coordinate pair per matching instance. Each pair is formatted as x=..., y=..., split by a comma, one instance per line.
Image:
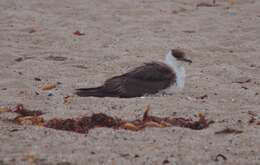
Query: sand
x=37, y=41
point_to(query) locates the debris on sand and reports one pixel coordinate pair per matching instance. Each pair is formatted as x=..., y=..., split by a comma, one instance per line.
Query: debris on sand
x=29, y=120
x=32, y=30
x=252, y=120
x=25, y=112
x=48, y=86
x=56, y=58
x=229, y=131
x=202, y=97
x=37, y=79
x=27, y=117
x=85, y=123
x=78, y=33
x=203, y=4
x=4, y=109
x=219, y=157
x=166, y=161
x=80, y=125
x=19, y=59
x=67, y=99
x=242, y=80
x=231, y=2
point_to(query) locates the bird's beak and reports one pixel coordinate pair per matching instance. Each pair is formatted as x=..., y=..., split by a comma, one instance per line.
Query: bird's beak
x=186, y=60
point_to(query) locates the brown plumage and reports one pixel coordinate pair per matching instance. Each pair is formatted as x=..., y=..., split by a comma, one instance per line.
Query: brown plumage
x=147, y=79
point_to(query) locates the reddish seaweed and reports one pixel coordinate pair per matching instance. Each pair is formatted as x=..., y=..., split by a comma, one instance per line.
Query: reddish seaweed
x=25, y=112
x=85, y=123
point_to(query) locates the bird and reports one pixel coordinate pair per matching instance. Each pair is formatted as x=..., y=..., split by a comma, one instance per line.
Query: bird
x=148, y=79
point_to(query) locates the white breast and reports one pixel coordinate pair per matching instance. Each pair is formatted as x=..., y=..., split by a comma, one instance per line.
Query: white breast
x=178, y=69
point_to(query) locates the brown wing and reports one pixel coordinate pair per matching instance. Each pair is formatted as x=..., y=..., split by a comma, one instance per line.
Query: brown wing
x=152, y=71
x=147, y=79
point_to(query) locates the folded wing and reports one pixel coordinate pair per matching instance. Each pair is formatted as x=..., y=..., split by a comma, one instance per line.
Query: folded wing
x=147, y=79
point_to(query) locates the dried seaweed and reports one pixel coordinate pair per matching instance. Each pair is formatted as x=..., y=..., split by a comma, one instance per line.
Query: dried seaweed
x=25, y=112
x=27, y=117
x=80, y=125
x=85, y=123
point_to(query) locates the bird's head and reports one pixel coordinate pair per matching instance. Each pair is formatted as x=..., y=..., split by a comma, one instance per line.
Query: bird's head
x=180, y=55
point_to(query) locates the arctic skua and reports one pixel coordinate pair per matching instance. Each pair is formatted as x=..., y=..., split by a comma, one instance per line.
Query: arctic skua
x=150, y=78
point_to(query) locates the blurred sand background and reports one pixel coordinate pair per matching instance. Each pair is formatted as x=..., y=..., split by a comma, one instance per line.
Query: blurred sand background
x=222, y=40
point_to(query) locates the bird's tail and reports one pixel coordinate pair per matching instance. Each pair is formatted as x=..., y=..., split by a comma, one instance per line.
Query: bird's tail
x=87, y=92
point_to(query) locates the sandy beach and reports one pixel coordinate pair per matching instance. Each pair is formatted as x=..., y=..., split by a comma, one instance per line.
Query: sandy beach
x=39, y=45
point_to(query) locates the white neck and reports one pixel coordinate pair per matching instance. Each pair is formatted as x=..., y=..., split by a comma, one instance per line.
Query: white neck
x=179, y=70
